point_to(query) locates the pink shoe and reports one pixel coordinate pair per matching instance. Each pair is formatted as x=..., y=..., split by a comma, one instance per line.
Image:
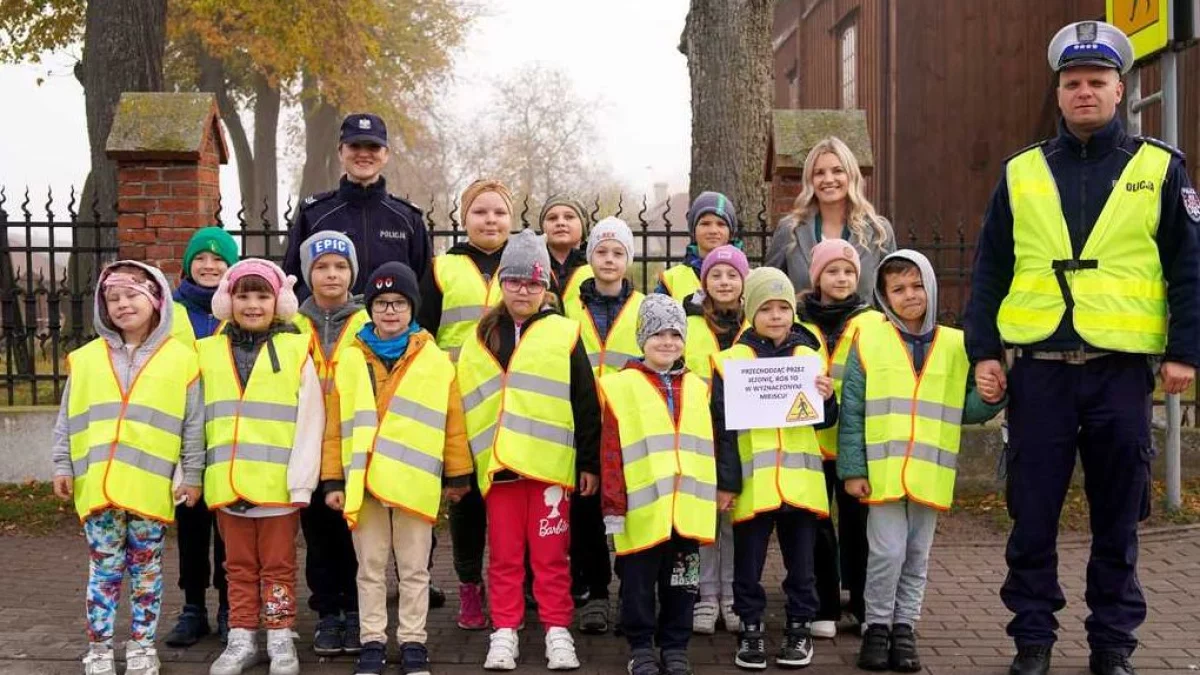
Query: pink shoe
x=470, y=607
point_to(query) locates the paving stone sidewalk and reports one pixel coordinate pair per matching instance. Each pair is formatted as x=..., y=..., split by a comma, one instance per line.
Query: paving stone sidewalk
x=962, y=631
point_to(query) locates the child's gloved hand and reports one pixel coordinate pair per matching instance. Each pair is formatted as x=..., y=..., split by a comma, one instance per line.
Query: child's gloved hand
x=858, y=487
x=64, y=487
x=335, y=499
x=614, y=524
x=187, y=494
x=825, y=386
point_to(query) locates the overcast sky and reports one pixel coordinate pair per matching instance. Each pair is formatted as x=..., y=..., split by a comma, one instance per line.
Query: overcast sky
x=622, y=51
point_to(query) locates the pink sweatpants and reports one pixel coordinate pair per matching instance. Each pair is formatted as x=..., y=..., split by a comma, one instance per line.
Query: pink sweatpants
x=533, y=514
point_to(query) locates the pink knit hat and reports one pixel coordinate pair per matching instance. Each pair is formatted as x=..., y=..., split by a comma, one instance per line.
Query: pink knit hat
x=725, y=255
x=831, y=250
x=286, y=304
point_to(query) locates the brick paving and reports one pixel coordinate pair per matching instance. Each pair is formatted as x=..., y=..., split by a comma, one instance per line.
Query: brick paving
x=41, y=623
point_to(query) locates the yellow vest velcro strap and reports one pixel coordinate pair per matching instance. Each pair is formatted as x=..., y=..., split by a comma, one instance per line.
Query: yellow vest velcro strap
x=468, y=313
x=124, y=454
x=481, y=393
x=250, y=451
x=409, y=456
x=904, y=406
x=482, y=441
x=134, y=412
x=538, y=429
x=539, y=385
x=611, y=359
x=665, y=443
x=250, y=410
x=665, y=487
x=363, y=419
x=921, y=451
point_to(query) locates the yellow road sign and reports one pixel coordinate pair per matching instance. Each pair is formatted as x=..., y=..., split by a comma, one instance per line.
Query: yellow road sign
x=1146, y=22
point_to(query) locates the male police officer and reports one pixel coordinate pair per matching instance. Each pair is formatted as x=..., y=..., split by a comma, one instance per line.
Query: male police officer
x=383, y=227
x=1087, y=267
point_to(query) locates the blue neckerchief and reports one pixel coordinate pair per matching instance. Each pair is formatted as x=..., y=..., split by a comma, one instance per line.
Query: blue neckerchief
x=391, y=349
x=198, y=301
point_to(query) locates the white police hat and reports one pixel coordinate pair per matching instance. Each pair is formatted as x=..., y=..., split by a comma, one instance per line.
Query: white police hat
x=1091, y=43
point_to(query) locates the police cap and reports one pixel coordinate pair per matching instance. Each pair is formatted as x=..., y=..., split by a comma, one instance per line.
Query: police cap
x=1091, y=43
x=364, y=128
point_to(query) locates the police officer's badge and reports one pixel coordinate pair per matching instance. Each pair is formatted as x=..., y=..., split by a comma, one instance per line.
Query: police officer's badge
x=364, y=123
x=1191, y=203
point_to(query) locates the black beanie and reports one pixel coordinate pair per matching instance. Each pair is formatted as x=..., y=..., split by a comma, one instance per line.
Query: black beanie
x=393, y=277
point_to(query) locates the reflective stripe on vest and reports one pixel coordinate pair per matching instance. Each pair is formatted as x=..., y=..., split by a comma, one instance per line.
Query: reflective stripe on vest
x=403, y=466
x=836, y=357
x=125, y=445
x=570, y=289
x=251, y=430
x=610, y=355
x=1116, y=284
x=466, y=297
x=670, y=471
x=778, y=465
x=680, y=281
x=913, y=421
x=521, y=420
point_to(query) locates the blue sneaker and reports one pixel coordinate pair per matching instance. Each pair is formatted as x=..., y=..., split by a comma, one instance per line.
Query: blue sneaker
x=191, y=626
x=414, y=659
x=223, y=623
x=372, y=659
x=328, y=640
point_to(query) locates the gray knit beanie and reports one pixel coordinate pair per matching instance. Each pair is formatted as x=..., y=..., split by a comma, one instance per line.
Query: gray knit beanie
x=658, y=313
x=322, y=243
x=611, y=229
x=526, y=257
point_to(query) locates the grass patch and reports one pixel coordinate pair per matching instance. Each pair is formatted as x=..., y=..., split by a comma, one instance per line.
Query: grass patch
x=32, y=508
x=22, y=388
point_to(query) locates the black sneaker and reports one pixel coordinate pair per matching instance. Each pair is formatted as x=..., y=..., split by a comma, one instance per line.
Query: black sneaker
x=675, y=662
x=797, y=648
x=351, y=640
x=328, y=639
x=437, y=597
x=223, y=623
x=414, y=659
x=1031, y=660
x=1110, y=663
x=372, y=659
x=873, y=654
x=191, y=626
x=903, y=657
x=752, y=648
x=643, y=662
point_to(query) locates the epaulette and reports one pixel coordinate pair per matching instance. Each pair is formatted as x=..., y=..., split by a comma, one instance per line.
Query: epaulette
x=1026, y=149
x=315, y=198
x=405, y=202
x=1158, y=143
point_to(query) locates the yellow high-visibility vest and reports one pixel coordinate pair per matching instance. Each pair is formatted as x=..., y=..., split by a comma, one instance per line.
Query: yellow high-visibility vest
x=181, y=326
x=250, y=431
x=466, y=297
x=521, y=419
x=670, y=470
x=913, y=420
x=701, y=346
x=680, y=281
x=779, y=466
x=609, y=355
x=835, y=364
x=327, y=364
x=570, y=290
x=401, y=464
x=125, y=445
x=1116, y=283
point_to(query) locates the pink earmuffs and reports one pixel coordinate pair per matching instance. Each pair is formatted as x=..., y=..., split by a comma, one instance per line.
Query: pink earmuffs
x=286, y=304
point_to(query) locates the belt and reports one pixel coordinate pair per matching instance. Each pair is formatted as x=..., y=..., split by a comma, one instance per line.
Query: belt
x=1073, y=357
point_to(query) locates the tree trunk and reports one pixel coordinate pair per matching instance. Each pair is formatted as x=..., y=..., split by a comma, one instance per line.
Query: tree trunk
x=728, y=48
x=123, y=46
x=266, y=165
x=321, y=127
x=213, y=79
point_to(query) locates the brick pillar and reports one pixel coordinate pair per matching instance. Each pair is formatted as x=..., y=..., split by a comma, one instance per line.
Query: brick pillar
x=785, y=187
x=168, y=149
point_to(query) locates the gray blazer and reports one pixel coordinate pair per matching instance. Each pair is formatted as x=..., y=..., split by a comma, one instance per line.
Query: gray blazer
x=791, y=251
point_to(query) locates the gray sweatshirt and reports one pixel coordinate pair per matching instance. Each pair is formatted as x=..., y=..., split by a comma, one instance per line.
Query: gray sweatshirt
x=128, y=360
x=791, y=251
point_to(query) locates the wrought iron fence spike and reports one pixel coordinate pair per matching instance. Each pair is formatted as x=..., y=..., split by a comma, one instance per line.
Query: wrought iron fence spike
x=71, y=206
x=25, y=206
x=49, y=203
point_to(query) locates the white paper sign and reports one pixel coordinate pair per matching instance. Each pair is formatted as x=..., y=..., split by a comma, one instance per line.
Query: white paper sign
x=773, y=393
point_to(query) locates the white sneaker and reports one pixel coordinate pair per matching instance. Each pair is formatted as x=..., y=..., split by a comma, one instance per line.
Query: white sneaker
x=240, y=653
x=824, y=629
x=282, y=650
x=704, y=617
x=733, y=623
x=502, y=650
x=99, y=660
x=560, y=650
x=141, y=660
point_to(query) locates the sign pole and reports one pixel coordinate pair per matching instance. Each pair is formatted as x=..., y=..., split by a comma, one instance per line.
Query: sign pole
x=1170, y=89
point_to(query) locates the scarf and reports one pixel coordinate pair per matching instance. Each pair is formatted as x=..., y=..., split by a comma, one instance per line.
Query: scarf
x=198, y=301
x=391, y=349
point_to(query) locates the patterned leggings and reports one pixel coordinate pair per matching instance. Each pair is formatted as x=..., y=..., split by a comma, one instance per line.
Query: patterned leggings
x=119, y=541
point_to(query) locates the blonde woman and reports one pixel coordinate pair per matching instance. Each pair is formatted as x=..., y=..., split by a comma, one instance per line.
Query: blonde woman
x=832, y=205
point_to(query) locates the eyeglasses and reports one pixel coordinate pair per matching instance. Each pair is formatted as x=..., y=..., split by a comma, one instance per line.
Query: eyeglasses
x=397, y=306
x=522, y=285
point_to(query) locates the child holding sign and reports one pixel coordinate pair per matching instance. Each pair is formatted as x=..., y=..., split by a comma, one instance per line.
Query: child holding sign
x=771, y=478
x=833, y=310
x=914, y=378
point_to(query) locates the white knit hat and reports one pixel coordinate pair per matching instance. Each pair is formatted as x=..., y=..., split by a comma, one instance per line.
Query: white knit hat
x=608, y=229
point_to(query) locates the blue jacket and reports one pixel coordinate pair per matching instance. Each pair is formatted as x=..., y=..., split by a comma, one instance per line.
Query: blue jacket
x=1085, y=175
x=383, y=228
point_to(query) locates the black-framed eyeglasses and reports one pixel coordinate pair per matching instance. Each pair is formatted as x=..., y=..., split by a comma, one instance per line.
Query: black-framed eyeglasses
x=397, y=306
